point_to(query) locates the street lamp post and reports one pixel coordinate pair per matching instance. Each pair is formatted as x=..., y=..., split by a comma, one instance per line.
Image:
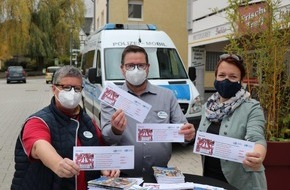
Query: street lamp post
x=70, y=46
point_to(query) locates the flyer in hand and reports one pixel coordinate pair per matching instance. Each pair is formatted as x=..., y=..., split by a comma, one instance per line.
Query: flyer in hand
x=113, y=183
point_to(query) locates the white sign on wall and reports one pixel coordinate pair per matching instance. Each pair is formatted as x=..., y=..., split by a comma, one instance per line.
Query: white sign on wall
x=198, y=57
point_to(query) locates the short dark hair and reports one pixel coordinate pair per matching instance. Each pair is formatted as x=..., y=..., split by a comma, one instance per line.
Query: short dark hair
x=134, y=49
x=232, y=60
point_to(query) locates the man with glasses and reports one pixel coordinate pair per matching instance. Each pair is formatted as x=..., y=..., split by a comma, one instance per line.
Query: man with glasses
x=44, y=149
x=118, y=129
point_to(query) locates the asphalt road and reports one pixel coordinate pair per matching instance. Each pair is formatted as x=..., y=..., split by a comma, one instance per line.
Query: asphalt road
x=19, y=100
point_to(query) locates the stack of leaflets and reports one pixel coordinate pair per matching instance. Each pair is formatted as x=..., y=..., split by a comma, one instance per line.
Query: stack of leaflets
x=111, y=183
x=168, y=175
x=178, y=186
x=175, y=186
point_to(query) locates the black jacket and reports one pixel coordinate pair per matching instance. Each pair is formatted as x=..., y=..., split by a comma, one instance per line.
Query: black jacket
x=33, y=174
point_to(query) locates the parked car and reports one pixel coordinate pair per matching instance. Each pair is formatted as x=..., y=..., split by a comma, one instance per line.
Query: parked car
x=15, y=73
x=49, y=73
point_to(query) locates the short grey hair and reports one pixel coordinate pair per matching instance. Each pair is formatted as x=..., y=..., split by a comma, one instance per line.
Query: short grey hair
x=66, y=71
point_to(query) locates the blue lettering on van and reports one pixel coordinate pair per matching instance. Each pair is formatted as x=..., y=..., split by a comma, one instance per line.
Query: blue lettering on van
x=181, y=91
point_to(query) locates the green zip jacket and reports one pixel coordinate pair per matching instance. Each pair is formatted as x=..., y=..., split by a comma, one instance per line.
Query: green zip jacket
x=246, y=123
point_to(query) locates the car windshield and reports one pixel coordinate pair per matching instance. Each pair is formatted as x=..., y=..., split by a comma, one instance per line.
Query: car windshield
x=15, y=69
x=165, y=63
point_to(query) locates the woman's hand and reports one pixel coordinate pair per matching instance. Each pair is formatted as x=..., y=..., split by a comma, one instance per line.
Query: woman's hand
x=66, y=168
x=254, y=160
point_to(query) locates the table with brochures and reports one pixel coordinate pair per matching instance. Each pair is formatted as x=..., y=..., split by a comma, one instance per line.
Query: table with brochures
x=197, y=179
x=208, y=181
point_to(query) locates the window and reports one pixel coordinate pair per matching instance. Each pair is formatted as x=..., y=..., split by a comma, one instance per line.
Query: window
x=135, y=9
x=88, y=60
x=212, y=59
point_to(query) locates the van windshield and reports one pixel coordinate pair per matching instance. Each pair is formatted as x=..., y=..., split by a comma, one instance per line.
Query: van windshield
x=165, y=63
x=52, y=69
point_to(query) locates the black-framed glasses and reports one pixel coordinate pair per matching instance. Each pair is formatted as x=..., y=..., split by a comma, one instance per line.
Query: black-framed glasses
x=69, y=87
x=236, y=57
x=132, y=66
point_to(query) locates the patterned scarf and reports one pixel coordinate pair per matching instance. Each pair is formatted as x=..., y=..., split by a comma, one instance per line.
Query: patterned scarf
x=216, y=111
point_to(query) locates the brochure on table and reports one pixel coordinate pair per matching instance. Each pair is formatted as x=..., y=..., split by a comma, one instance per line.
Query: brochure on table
x=177, y=186
x=113, y=183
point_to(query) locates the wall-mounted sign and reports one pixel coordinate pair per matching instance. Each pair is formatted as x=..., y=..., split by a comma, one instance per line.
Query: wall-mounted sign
x=198, y=57
x=253, y=17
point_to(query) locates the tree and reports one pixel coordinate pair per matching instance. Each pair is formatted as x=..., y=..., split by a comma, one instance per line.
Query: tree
x=40, y=29
x=263, y=41
x=14, y=26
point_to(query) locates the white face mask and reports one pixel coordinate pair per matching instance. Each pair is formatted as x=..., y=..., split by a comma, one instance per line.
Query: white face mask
x=136, y=77
x=69, y=99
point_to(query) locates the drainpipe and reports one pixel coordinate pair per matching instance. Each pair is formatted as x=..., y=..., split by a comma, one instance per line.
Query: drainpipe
x=108, y=9
x=95, y=15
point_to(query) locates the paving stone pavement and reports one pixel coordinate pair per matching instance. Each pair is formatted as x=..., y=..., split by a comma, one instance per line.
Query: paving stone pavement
x=18, y=101
x=187, y=161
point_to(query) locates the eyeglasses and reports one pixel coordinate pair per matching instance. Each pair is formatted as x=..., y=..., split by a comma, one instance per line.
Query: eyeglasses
x=236, y=57
x=132, y=66
x=69, y=87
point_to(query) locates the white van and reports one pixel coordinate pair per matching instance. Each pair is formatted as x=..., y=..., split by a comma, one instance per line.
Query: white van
x=101, y=60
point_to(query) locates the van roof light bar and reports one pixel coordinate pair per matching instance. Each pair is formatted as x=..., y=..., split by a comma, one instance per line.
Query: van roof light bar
x=112, y=26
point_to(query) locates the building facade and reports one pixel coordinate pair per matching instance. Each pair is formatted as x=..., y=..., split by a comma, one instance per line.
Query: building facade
x=168, y=15
x=207, y=37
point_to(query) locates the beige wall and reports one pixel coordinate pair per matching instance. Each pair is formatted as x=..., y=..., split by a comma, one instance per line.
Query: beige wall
x=168, y=15
x=209, y=79
x=101, y=12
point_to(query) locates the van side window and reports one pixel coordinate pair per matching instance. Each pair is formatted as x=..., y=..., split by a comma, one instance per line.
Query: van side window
x=176, y=68
x=87, y=60
x=170, y=65
x=164, y=63
x=98, y=61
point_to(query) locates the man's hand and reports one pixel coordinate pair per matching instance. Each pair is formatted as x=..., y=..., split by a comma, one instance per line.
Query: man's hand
x=111, y=173
x=118, y=122
x=188, y=131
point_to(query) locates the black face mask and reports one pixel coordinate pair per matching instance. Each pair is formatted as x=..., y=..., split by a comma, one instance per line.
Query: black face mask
x=226, y=88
